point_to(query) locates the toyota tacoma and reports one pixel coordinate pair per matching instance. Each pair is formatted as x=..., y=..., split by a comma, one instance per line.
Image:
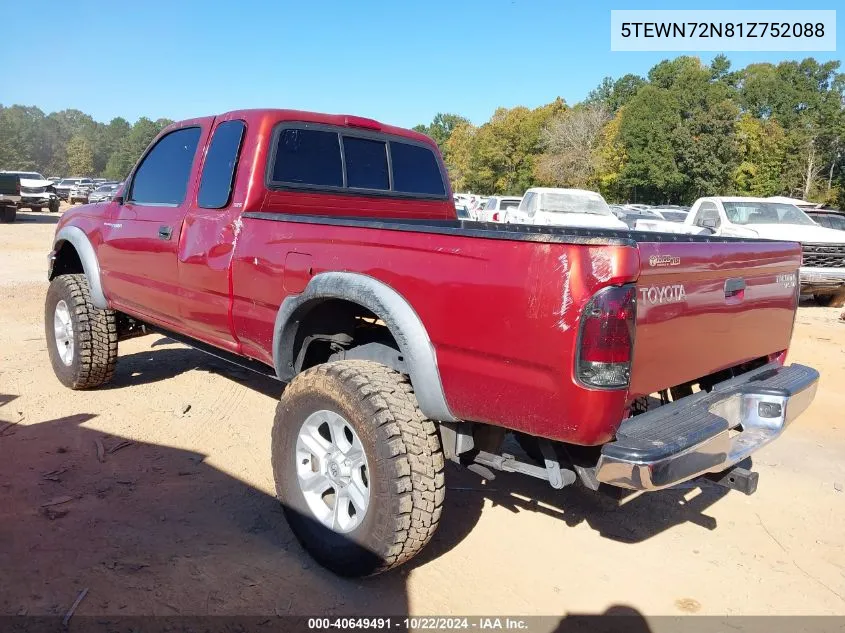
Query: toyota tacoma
x=325, y=251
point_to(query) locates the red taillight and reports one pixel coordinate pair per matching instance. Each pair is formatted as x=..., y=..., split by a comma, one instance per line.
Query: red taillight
x=606, y=339
x=496, y=217
x=18, y=185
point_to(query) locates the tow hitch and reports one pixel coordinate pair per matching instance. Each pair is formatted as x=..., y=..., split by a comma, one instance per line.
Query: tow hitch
x=736, y=478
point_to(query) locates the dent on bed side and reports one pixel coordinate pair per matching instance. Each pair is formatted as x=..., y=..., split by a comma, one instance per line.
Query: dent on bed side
x=387, y=304
x=88, y=257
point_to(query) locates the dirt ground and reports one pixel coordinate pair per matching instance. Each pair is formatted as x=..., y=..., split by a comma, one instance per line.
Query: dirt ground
x=182, y=519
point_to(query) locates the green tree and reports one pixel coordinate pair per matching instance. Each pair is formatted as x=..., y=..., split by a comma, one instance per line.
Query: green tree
x=761, y=145
x=80, y=157
x=457, y=154
x=441, y=127
x=132, y=146
x=613, y=95
x=506, y=147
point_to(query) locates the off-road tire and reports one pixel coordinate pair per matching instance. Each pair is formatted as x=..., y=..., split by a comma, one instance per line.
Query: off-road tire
x=35, y=209
x=8, y=214
x=94, y=335
x=407, y=482
x=53, y=207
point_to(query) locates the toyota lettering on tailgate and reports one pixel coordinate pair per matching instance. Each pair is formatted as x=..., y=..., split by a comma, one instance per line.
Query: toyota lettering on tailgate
x=659, y=295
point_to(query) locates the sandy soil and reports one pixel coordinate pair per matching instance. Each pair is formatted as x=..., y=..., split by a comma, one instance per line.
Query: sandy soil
x=181, y=520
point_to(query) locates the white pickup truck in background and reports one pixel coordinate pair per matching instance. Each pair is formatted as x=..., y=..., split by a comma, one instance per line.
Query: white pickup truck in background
x=823, y=268
x=564, y=207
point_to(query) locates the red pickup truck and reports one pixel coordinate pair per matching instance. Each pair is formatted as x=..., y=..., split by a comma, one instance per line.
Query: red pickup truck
x=325, y=251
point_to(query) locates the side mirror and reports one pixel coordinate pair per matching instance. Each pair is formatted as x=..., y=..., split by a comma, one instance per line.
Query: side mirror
x=118, y=198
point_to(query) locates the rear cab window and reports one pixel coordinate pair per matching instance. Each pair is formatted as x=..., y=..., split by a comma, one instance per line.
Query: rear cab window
x=221, y=160
x=346, y=160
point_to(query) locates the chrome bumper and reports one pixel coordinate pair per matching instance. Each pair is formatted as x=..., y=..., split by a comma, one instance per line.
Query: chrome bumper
x=707, y=432
x=822, y=276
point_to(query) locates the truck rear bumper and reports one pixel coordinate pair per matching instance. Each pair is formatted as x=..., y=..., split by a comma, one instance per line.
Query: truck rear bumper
x=821, y=277
x=706, y=432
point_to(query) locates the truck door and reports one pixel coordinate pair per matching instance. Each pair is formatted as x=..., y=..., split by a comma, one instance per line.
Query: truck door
x=208, y=243
x=141, y=234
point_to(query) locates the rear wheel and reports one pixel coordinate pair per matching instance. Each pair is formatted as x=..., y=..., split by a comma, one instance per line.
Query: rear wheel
x=8, y=214
x=81, y=338
x=35, y=209
x=358, y=468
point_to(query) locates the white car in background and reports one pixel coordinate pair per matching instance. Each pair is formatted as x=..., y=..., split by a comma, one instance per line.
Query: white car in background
x=497, y=207
x=565, y=207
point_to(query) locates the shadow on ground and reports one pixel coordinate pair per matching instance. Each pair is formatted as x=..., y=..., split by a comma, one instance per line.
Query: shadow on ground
x=155, y=530
x=152, y=530
x=33, y=217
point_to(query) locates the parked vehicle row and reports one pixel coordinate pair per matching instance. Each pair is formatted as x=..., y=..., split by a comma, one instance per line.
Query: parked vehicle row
x=36, y=191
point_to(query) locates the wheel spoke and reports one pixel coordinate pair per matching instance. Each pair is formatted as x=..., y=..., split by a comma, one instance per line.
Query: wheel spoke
x=358, y=494
x=316, y=484
x=315, y=443
x=337, y=428
x=339, y=499
x=355, y=458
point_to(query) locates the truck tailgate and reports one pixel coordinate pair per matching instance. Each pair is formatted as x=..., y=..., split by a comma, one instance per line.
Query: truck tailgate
x=704, y=307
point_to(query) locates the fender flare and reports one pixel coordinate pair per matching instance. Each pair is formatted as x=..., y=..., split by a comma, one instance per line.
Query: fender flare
x=389, y=306
x=79, y=240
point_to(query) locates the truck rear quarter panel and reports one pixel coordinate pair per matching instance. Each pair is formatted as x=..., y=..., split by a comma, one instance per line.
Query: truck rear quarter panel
x=502, y=315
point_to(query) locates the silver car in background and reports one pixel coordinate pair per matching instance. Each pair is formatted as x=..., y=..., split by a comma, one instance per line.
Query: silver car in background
x=105, y=192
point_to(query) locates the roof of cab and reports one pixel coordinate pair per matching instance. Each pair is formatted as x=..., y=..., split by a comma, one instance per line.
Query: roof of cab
x=562, y=190
x=341, y=120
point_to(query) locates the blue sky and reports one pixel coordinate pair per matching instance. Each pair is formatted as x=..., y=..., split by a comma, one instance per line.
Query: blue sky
x=397, y=61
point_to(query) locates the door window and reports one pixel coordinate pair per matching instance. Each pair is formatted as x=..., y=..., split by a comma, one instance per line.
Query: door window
x=708, y=211
x=162, y=177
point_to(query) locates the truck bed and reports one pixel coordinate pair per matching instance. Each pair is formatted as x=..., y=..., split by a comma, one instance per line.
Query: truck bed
x=501, y=305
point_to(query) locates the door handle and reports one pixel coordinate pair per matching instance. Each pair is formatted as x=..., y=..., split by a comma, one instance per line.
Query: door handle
x=735, y=288
x=165, y=232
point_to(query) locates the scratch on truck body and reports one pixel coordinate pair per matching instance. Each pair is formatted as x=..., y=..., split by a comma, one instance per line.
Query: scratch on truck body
x=601, y=264
x=566, y=295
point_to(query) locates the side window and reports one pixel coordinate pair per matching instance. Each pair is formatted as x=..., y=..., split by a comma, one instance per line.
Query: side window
x=308, y=157
x=218, y=172
x=527, y=202
x=162, y=177
x=366, y=163
x=708, y=211
x=415, y=170
x=533, y=203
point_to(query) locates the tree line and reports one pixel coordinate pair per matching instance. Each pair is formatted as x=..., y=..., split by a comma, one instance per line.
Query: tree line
x=71, y=143
x=687, y=129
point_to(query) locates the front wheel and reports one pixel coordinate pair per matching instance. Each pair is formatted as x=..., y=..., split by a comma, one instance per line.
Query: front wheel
x=358, y=468
x=81, y=338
